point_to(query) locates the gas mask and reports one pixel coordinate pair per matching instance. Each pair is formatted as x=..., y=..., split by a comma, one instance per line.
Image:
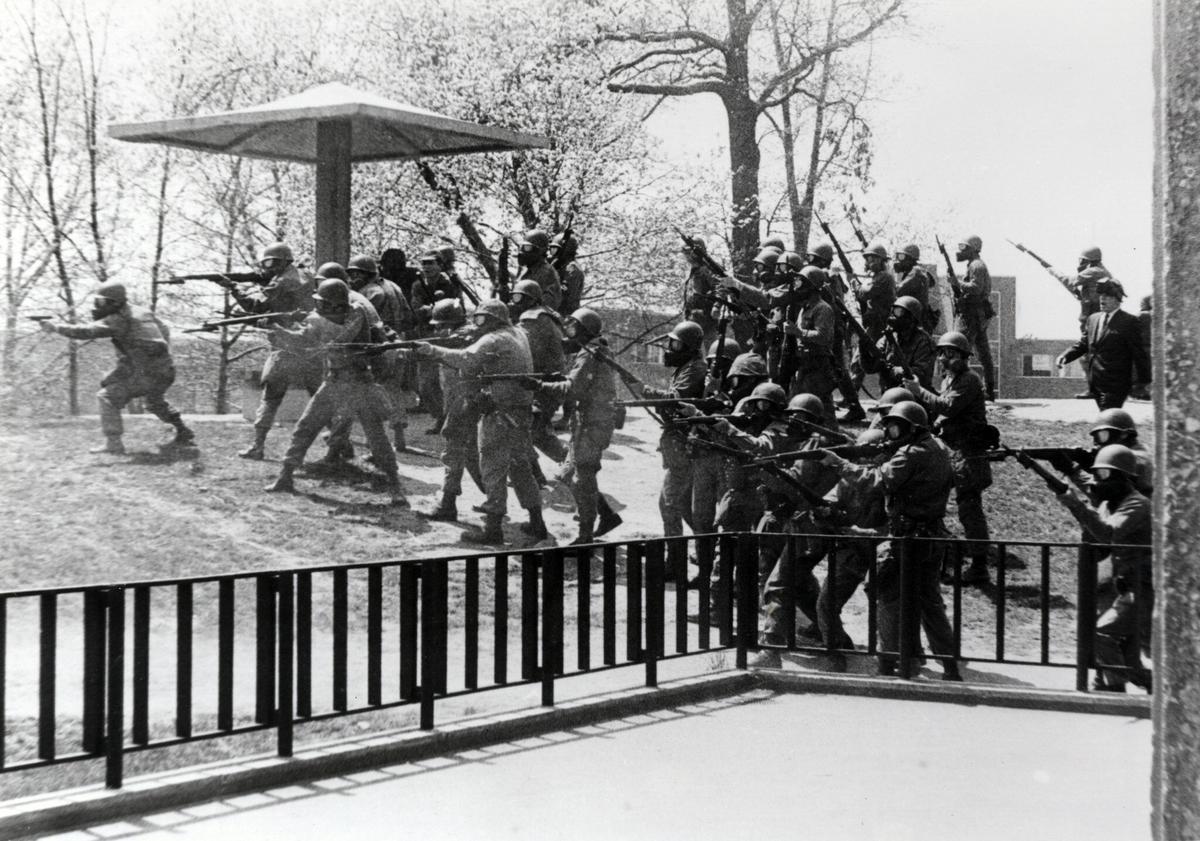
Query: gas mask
x=675, y=354
x=1109, y=485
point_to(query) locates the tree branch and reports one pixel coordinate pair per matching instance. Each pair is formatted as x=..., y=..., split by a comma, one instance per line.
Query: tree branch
x=666, y=38
x=719, y=88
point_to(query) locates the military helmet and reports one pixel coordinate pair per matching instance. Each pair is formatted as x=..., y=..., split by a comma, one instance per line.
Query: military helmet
x=364, y=263
x=1116, y=419
x=1116, y=457
x=823, y=250
x=588, y=320
x=748, y=365
x=770, y=392
x=814, y=276
x=876, y=249
x=112, y=291
x=700, y=244
x=731, y=350
x=911, y=412
x=910, y=305
x=331, y=269
x=890, y=398
x=539, y=239
x=956, y=340
x=446, y=255
x=531, y=289
x=768, y=257
x=972, y=241
x=276, y=251
x=687, y=333
x=493, y=308
x=775, y=241
x=1091, y=254
x=792, y=261
x=446, y=312
x=810, y=404
x=910, y=250
x=334, y=292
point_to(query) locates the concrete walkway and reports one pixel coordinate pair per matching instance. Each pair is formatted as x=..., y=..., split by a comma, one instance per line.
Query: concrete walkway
x=756, y=765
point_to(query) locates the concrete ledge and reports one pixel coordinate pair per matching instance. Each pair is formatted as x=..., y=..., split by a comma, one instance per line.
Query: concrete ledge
x=955, y=693
x=64, y=810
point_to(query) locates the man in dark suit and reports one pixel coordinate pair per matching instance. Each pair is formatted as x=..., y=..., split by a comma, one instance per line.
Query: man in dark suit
x=1117, y=362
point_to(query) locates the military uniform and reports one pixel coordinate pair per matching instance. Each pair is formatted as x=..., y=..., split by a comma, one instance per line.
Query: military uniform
x=875, y=299
x=544, y=333
x=675, y=498
x=506, y=416
x=698, y=288
x=1084, y=285
x=285, y=368
x=918, y=283
x=974, y=313
x=915, y=348
x=460, y=431
x=816, y=367
x=425, y=293
x=593, y=386
x=391, y=369
x=144, y=366
x=544, y=275
x=572, y=288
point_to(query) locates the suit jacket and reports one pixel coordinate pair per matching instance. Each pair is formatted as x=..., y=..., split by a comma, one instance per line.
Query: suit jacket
x=1116, y=354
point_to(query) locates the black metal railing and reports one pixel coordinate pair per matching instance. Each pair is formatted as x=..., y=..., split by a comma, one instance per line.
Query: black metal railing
x=324, y=642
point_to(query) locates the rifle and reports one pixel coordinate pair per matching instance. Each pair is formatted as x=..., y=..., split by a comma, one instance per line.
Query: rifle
x=1061, y=457
x=503, y=286
x=702, y=255
x=846, y=451
x=1024, y=250
x=465, y=288
x=951, y=275
x=453, y=341
x=708, y=405
x=222, y=279
x=857, y=233
x=851, y=276
x=628, y=377
x=735, y=420
x=40, y=318
x=810, y=496
x=894, y=341
x=1055, y=484
x=247, y=320
x=816, y=427
x=549, y=376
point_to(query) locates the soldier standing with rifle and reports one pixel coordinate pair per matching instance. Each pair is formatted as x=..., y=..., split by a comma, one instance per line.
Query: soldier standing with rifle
x=699, y=287
x=545, y=337
x=144, y=364
x=905, y=350
x=915, y=282
x=813, y=330
x=535, y=267
x=341, y=326
x=504, y=443
x=564, y=248
x=974, y=296
x=592, y=384
x=875, y=298
x=1083, y=284
x=821, y=256
x=282, y=289
x=961, y=413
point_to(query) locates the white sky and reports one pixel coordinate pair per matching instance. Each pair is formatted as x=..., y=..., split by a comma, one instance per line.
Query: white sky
x=1028, y=119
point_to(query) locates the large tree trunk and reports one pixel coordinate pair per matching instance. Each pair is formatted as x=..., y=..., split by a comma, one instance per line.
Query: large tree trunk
x=744, y=162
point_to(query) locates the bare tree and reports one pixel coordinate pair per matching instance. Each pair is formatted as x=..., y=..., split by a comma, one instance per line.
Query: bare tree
x=694, y=56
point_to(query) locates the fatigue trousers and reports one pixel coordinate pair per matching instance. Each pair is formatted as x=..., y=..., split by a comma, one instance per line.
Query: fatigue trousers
x=351, y=394
x=281, y=372
x=584, y=454
x=675, y=498
x=739, y=509
x=460, y=451
x=854, y=559
x=817, y=376
x=429, y=389
x=926, y=563
x=708, y=474
x=857, y=372
x=1124, y=629
x=971, y=323
x=542, y=435
x=503, y=454
x=798, y=564
x=121, y=386
x=972, y=476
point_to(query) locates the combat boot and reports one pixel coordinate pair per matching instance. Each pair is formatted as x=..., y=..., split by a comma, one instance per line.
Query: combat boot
x=396, y=491
x=112, y=445
x=446, y=512
x=284, y=482
x=491, y=533
x=609, y=519
x=536, y=527
x=977, y=573
x=184, y=437
x=398, y=435
x=256, y=451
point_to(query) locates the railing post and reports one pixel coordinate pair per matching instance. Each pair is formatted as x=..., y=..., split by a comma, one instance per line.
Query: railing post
x=903, y=548
x=1085, y=615
x=93, y=671
x=115, y=737
x=285, y=584
x=747, y=596
x=655, y=586
x=552, y=572
x=430, y=639
x=47, y=673
x=264, y=660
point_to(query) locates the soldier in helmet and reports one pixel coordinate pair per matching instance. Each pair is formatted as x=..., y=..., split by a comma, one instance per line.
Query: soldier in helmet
x=460, y=428
x=905, y=344
x=688, y=374
x=698, y=289
x=433, y=286
x=144, y=365
x=398, y=319
x=1088, y=273
x=885, y=403
x=532, y=258
x=281, y=289
x=593, y=386
x=342, y=320
x=876, y=295
x=915, y=282
x=1112, y=344
x=446, y=259
x=814, y=329
x=393, y=265
x=564, y=248
x=545, y=336
x=1120, y=518
x=960, y=409
x=916, y=482
x=821, y=256
x=504, y=443
x=975, y=307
